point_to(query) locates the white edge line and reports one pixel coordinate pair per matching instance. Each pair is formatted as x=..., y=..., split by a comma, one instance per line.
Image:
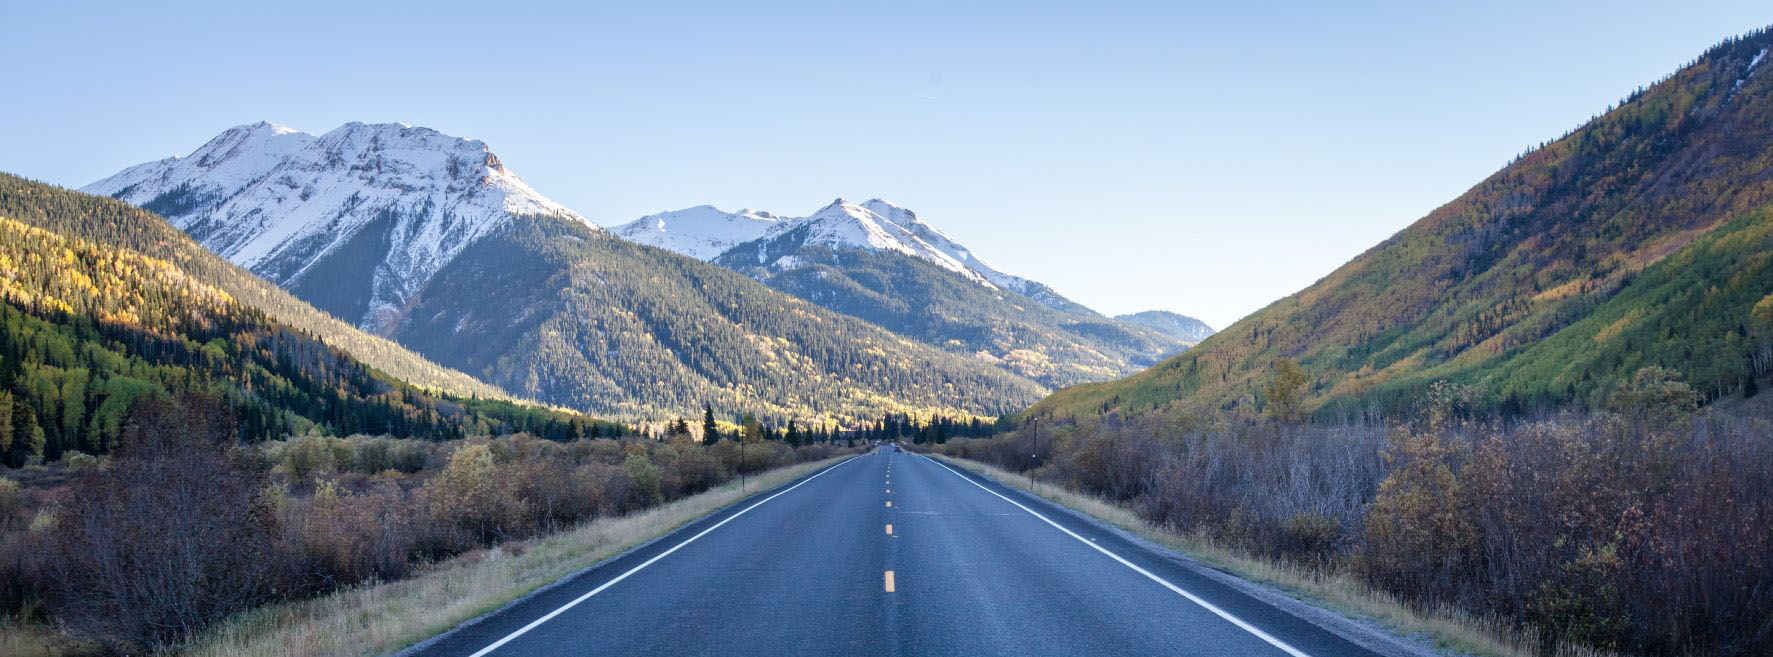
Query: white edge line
x=550, y=616
x=1295, y=652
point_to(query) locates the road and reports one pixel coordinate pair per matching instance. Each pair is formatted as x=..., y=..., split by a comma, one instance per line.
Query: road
x=892, y=553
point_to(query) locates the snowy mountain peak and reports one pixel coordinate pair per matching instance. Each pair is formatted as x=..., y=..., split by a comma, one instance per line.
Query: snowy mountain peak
x=707, y=233
x=940, y=241
x=846, y=224
x=281, y=202
x=700, y=232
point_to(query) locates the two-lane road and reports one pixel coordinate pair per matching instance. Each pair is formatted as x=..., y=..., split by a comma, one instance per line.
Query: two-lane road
x=892, y=553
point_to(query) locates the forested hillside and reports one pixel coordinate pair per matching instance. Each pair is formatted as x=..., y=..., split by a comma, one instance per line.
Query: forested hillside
x=927, y=303
x=1640, y=239
x=116, y=224
x=90, y=330
x=554, y=310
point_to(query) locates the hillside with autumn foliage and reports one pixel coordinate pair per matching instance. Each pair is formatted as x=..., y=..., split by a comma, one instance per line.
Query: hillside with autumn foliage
x=1640, y=239
x=90, y=330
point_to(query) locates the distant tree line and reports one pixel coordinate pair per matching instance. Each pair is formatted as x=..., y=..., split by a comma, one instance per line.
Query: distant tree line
x=902, y=427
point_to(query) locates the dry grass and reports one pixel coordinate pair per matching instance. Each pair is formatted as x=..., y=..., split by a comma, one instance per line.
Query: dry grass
x=26, y=640
x=383, y=618
x=1448, y=629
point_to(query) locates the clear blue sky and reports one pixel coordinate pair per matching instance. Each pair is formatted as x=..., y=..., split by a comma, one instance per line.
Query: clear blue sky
x=1204, y=158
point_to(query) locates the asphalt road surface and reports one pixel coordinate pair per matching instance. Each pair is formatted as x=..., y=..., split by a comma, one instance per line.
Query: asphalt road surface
x=891, y=553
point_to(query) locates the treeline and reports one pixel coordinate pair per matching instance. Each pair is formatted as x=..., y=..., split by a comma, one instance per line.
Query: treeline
x=1646, y=528
x=184, y=526
x=893, y=427
x=86, y=331
x=935, y=430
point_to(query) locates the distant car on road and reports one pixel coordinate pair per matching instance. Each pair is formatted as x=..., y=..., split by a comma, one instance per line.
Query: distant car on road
x=896, y=448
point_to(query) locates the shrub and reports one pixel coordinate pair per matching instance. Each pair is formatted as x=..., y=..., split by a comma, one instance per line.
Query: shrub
x=1419, y=528
x=170, y=538
x=1655, y=397
x=338, y=538
x=80, y=461
x=472, y=494
x=646, y=478
x=371, y=455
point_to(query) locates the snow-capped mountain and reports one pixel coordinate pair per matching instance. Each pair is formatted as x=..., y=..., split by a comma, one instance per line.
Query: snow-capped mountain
x=941, y=242
x=882, y=263
x=356, y=220
x=935, y=239
x=708, y=233
x=701, y=232
x=844, y=224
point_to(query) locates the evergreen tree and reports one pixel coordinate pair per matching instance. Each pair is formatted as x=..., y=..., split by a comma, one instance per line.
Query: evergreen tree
x=27, y=435
x=710, y=430
x=5, y=422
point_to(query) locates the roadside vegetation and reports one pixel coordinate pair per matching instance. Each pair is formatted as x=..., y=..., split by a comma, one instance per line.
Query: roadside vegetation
x=182, y=528
x=1645, y=528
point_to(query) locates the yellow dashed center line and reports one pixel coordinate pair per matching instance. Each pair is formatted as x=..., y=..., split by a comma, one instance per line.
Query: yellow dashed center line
x=889, y=581
x=889, y=502
x=889, y=530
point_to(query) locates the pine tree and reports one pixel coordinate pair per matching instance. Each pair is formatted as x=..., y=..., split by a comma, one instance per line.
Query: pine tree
x=710, y=430
x=27, y=435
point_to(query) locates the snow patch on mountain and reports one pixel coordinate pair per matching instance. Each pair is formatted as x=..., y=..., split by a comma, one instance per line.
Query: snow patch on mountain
x=1751, y=69
x=277, y=201
x=700, y=232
